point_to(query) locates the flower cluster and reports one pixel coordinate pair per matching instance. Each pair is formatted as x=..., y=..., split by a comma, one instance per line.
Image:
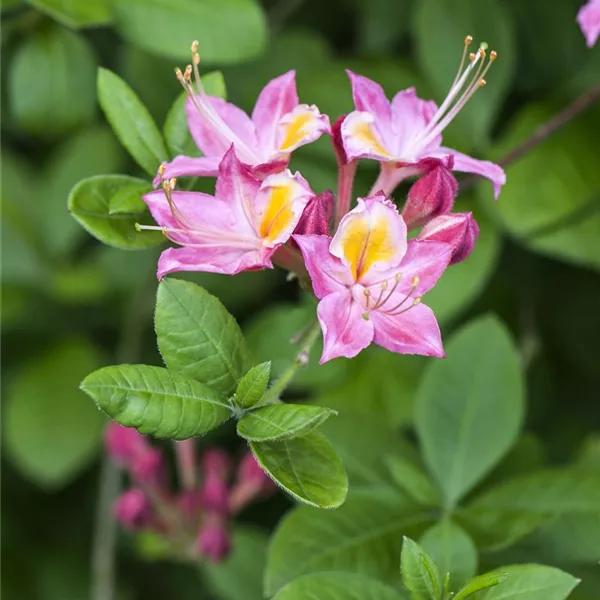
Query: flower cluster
x=195, y=520
x=368, y=277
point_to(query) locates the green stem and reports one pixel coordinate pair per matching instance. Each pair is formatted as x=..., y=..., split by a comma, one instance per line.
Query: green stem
x=301, y=360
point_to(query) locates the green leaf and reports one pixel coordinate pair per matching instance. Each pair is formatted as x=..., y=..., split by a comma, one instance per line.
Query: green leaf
x=74, y=13
x=452, y=550
x=252, y=386
x=420, y=575
x=362, y=536
x=198, y=337
x=177, y=134
x=51, y=86
x=281, y=421
x=527, y=582
x=306, y=467
x=240, y=576
x=479, y=583
x=131, y=121
x=440, y=30
x=102, y=206
x=337, y=586
x=559, y=216
x=229, y=31
x=93, y=151
x=469, y=407
x=156, y=401
x=411, y=479
x=50, y=432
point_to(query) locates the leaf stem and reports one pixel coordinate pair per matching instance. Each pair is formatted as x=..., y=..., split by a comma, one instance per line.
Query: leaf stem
x=301, y=360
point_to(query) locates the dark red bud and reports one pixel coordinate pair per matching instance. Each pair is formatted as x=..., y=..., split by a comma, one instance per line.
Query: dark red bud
x=460, y=230
x=316, y=216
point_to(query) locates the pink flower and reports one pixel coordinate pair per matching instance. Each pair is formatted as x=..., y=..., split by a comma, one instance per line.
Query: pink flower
x=133, y=509
x=213, y=540
x=432, y=194
x=370, y=282
x=264, y=142
x=251, y=483
x=402, y=133
x=460, y=230
x=124, y=444
x=237, y=229
x=588, y=18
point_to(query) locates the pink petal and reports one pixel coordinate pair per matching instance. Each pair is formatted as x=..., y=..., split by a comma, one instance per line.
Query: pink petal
x=467, y=164
x=222, y=259
x=185, y=166
x=219, y=125
x=369, y=97
x=413, y=332
x=276, y=99
x=327, y=272
x=588, y=18
x=363, y=136
x=425, y=260
x=410, y=116
x=301, y=126
x=238, y=188
x=345, y=331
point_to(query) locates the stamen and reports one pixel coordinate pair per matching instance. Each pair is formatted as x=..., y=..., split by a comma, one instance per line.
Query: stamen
x=415, y=283
x=381, y=302
x=414, y=303
x=468, y=42
x=367, y=294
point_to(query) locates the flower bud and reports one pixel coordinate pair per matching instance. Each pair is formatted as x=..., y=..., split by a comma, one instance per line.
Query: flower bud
x=316, y=215
x=133, y=509
x=460, y=230
x=251, y=483
x=432, y=194
x=123, y=444
x=338, y=142
x=213, y=540
x=190, y=502
x=216, y=462
x=149, y=468
x=214, y=495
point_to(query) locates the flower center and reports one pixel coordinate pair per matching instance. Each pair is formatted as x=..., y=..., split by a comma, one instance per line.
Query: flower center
x=474, y=74
x=383, y=302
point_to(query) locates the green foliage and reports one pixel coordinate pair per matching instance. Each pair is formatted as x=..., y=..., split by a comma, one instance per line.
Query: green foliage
x=131, y=121
x=419, y=573
x=252, y=386
x=307, y=467
x=469, y=407
x=75, y=14
x=281, y=421
x=198, y=337
x=155, y=401
x=412, y=480
x=109, y=206
x=229, y=31
x=51, y=433
x=52, y=83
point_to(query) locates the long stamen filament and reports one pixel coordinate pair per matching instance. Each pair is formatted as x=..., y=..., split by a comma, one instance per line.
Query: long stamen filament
x=415, y=283
x=468, y=42
x=414, y=303
x=381, y=302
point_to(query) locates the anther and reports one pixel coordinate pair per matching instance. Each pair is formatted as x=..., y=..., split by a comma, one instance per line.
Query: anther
x=468, y=40
x=493, y=55
x=415, y=281
x=187, y=75
x=482, y=82
x=196, y=59
x=138, y=227
x=472, y=56
x=162, y=169
x=172, y=182
x=194, y=46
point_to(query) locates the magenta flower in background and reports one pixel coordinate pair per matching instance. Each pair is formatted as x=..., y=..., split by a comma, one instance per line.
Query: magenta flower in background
x=588, y=18
x=237, y=229
x=264, y=142
x=370, y=280
x=401, y=134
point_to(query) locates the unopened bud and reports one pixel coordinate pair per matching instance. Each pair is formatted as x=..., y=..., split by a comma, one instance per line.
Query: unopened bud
x=216, y=462
x=432, y=194
x=133, y=509
x=190, y=502
x=213, y=541
x=124, y=444
x=316, y=215
x=460, y=230
x=251, y=483
x=214, y=495
x=149, y=468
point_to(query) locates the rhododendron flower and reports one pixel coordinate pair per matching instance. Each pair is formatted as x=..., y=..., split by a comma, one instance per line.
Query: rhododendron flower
x=370, y=280
x=265, y=141
x=237, y=229
x=588, y=18
x=402, y=133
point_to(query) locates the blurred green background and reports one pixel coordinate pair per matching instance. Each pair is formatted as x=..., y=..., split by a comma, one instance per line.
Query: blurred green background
x=70, y=304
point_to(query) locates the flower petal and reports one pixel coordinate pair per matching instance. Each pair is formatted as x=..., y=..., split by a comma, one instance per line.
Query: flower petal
x=363, y=138
x=327, y=272
x=301, y=126
x=410, y=116
x=222, y=259
x=467, y=164
x=413, y=332
x=369, y=97
x=426, y=260
x=279, y=205
x=186, y=166
x=345, y=331
x=276, y=99
x=588, y=18
x=216, y=124
x=371, y=238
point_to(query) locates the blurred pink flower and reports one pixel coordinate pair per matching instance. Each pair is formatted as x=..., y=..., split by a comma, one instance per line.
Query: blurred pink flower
x=370, y=281
x=133, y=509
x=213, y=540
x=124, y=444
x=588, y=18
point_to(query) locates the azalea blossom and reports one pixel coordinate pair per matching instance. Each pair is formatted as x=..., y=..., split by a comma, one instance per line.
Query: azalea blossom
x=237, y=229
x=265, y=141
x=588, y=18
x=370, y=281
x=402, y=133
